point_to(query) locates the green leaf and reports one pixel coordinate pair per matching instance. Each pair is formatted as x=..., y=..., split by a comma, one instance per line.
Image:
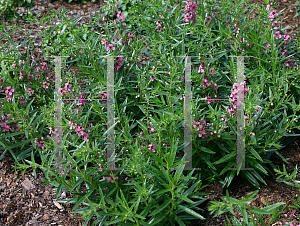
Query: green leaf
x=80, y=200
x=158, y=160
x=11, y=134
x=253, y=139
x=113, y=222
x=191, y=189
x=207, y=161
x=207, y=150
x=19, y=144
x=256, y=174
x=229, y=177
x=3, y=154
x=256, y=155
x=58, y=190
x=16, y=120
x=260, y=168
x=77, y=184
x=229, y=165
x=271, y=207
x=251, y=179
x=260, y=211
x=179, y=221
x=191, y=212
x=244, y=214
x=184, y=198
x=161, y=208
x=226, y=158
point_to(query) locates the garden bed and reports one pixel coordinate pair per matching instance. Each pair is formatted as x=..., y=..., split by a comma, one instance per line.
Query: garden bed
x=37, y=204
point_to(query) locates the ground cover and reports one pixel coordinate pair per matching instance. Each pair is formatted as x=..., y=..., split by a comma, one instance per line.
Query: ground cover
x=273, y=110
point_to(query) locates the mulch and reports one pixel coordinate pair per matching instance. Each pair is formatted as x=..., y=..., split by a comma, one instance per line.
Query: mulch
x=25, y=200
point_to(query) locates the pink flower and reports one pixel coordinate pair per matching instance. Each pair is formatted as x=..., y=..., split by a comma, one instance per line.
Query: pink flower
x=286, y=36
x=72, y=125
x=9, y=90
x=130, y=34
x=190, y=10
x=201, y=69
x=63, y=171
x=103, y=41
x=110, y=46
x=268, y=45
x=274, y=24
x=151, y=147
x=46, y=85
x=273, y=14
x=152, y=78
x=120, y=15
x=21, y=75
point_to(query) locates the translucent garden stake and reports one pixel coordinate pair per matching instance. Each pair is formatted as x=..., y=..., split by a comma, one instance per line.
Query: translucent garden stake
x=58, y=110
x=188, y=116
x=110, y=156
x=240, y=137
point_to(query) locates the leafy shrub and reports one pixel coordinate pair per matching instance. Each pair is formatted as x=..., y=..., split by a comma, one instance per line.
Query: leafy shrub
x=255, y=213
x=149, y=103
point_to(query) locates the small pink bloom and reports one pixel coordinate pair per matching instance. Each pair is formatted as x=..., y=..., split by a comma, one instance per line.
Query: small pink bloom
x=130, y=34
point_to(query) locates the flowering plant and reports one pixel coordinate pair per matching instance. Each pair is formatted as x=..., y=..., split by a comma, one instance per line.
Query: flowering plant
x=149, y=107
x=255, y=213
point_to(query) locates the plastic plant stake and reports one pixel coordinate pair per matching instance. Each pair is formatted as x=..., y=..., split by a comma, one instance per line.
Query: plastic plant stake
x=240, y=136
x=110, y=113
x=58, y=110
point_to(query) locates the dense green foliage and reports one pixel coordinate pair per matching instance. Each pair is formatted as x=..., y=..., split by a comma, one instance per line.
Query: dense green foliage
x=149, y=106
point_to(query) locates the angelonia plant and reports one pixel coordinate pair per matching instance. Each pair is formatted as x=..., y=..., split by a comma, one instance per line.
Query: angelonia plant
x=152, y=187
x=255, y=217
